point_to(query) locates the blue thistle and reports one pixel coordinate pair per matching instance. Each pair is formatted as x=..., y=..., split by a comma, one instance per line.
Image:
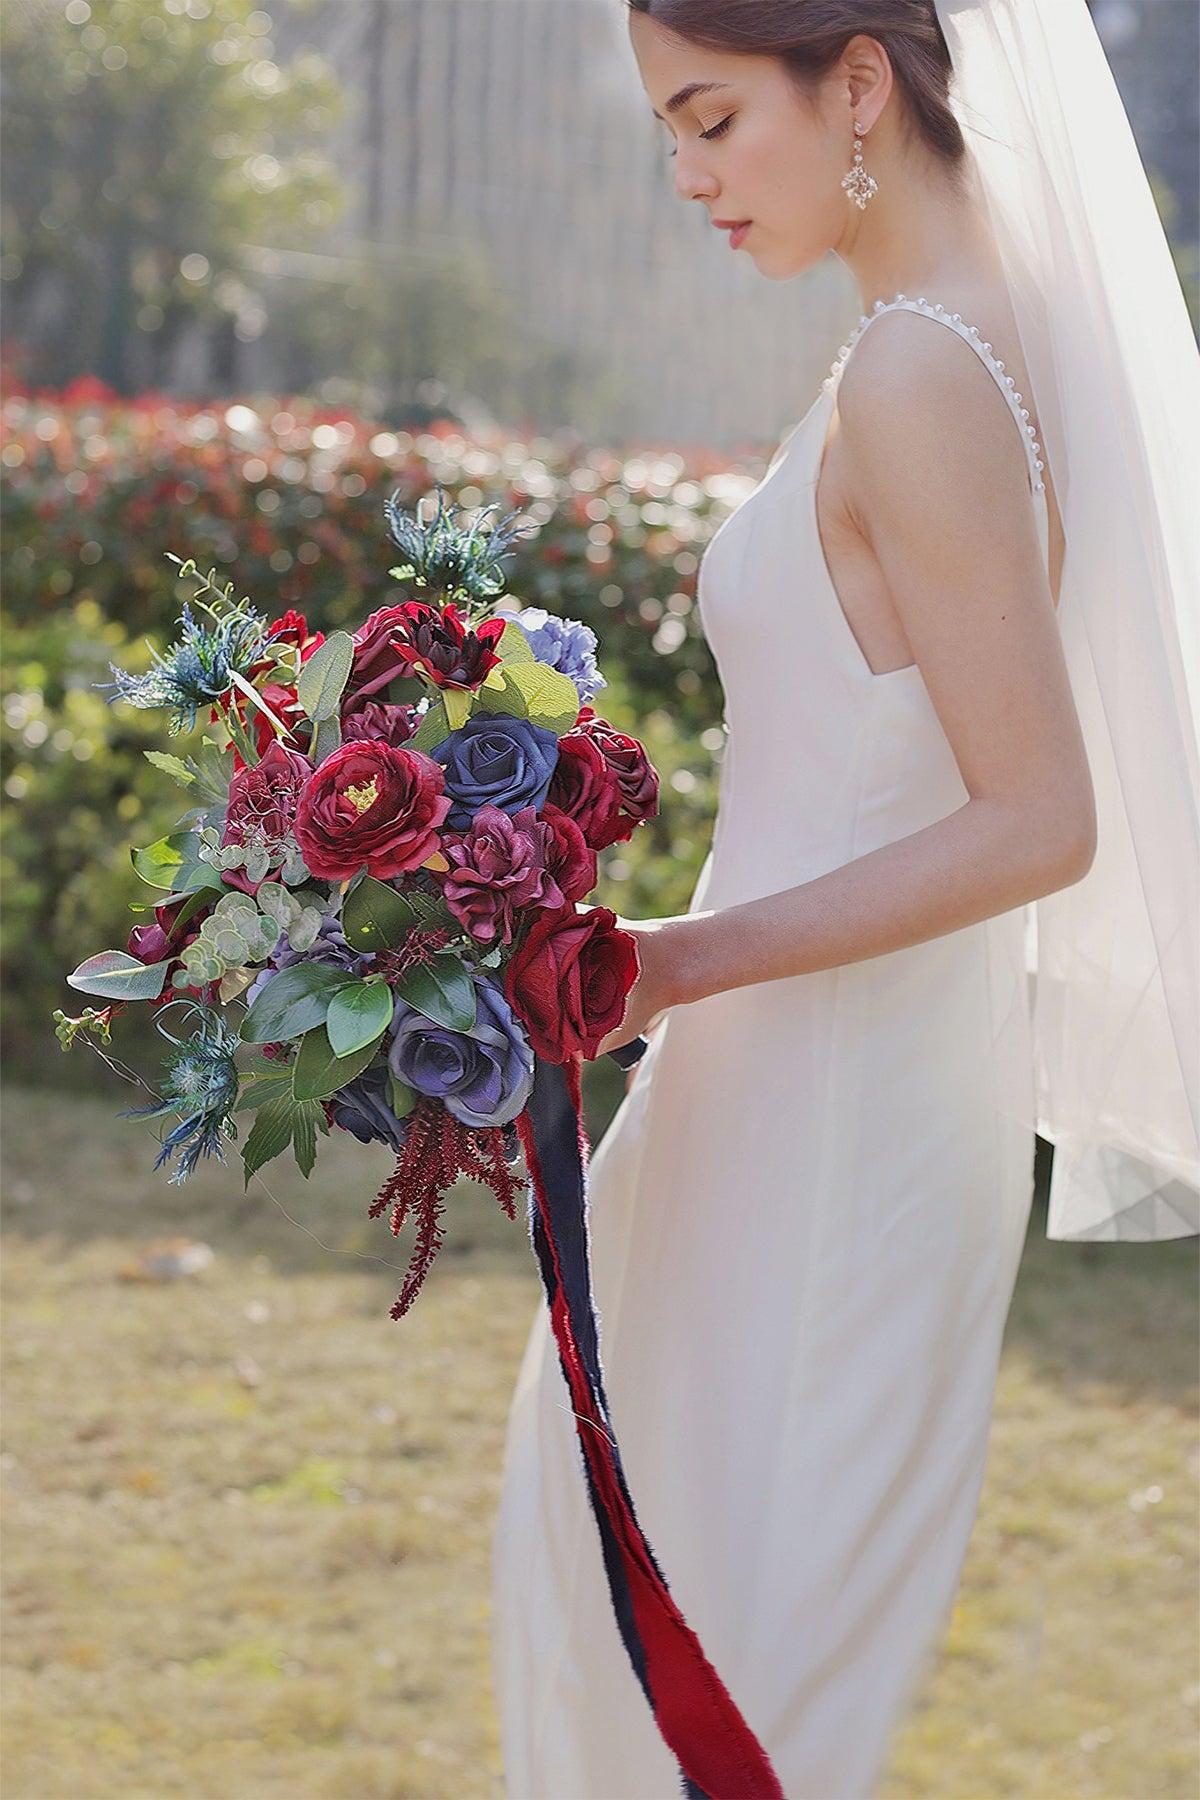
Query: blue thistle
x=197, y=671
x=450, y=558
x=202, y=1083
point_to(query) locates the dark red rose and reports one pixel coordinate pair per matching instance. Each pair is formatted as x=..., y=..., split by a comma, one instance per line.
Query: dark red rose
x=569, y=980
x=636, y=775
x=374, y=805
x=569, y=857
x=375, y=660
x=585, y=788
x=291, y=628
x=287, y=709
x=153, y=943
x=380, y=720
x=435, y=642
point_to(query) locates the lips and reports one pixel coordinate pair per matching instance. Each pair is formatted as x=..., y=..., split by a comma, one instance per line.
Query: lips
x=729, y=224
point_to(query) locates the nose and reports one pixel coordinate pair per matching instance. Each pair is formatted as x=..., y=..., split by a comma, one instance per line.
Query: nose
x=691, y=183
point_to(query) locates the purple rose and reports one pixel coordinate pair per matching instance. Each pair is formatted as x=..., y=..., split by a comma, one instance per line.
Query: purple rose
x=361, y=1107
x=494, y=759
x=483, y=1076
x=392, y=724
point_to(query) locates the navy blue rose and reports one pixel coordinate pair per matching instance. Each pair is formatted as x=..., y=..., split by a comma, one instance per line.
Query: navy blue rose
x=493, y=759
x=361, y=1107
x=483, y=1076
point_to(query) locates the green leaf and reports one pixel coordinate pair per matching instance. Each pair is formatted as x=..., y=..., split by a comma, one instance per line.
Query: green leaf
x=270, y=1134
x=442, y=989
x=327, y=737
x=457, y=705
x=257, y=1088
x=304, y=1135
x=433, y=728
x=171, y=765
x=358, y=1015
x=376, y=916
x=116, y=975
x=166, y=862
x=325, y=675
x=513, y=646
x=401, y=1098
x=317, y=1073
x=294, y=1000
x=551, y=698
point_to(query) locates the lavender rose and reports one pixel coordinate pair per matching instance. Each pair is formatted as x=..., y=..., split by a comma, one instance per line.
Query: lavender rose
x=493, y=759
x=483, y=1076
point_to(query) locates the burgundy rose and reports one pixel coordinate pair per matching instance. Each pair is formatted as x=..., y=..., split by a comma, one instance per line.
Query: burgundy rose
x=585, y=788
x=291, y=628
x=497, y=870
x=568, y=981
x=375, y=661
x=380, y=720
x=435, y=642
x=569, y=857
x=636, y=775
x=154, y=943
x=374, y=805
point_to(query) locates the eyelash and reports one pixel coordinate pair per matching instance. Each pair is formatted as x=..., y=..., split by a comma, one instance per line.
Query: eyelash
x=716, y=132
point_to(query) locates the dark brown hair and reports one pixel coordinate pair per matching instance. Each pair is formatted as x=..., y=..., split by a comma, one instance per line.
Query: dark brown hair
x=808, y=36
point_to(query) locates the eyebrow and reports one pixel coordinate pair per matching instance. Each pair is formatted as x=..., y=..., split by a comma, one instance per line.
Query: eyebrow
x=685, y=94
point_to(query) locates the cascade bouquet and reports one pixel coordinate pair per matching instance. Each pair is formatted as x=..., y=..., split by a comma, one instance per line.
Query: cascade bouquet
x=372, y=917
x=382, y=870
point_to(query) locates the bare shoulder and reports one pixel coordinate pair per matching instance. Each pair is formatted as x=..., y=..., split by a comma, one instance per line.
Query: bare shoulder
x=916, y=399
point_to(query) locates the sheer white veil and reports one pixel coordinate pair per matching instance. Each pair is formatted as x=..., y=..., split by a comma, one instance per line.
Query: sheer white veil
x=1115, y=377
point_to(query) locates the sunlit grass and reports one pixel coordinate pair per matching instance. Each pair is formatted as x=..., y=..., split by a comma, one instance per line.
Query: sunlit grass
x=248, y=1517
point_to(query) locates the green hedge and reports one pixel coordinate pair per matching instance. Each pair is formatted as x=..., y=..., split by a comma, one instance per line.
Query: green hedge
x=286, y=498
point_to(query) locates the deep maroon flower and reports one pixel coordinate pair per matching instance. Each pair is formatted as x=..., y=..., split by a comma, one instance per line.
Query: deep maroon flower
x=375, y=661
x=380, y=721
x=568, y=981
x=570, y=859
x=585, y=788
x=497, y=870
x=292, y=628
x=435, y=642
x=157, y=942
x=636, y=775
x=370, y=804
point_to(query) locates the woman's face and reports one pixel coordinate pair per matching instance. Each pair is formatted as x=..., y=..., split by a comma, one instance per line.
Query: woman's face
x=751, y=148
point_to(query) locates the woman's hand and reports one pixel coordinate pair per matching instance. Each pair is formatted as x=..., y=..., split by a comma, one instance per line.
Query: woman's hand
x=653, y=991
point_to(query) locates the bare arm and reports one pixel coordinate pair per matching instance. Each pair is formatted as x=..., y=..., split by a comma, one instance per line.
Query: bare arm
x=938, y=473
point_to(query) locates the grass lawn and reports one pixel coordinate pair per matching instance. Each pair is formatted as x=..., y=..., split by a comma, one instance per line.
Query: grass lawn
x=248, y=1516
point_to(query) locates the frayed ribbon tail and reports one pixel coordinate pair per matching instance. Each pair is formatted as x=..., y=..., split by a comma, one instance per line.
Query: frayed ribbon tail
x=718, y=1754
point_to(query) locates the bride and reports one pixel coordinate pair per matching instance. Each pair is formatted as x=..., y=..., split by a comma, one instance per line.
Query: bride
x=951, y=901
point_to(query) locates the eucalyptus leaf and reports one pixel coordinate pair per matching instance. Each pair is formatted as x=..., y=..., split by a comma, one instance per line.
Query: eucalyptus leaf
x=327, y=737
x=433, y=729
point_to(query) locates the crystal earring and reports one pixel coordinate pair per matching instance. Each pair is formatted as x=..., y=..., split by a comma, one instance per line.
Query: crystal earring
x=858, y=184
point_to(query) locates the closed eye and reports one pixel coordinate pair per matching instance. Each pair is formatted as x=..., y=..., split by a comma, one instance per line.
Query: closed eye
x=715, y=131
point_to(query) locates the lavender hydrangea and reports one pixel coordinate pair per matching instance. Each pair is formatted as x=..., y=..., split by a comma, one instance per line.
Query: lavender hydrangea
x=567, y=645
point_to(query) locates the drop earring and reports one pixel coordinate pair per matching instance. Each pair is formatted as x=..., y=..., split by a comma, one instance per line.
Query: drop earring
x=859, y=186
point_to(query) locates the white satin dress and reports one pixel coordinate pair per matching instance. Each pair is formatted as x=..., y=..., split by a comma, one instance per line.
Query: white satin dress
x=806, y=1218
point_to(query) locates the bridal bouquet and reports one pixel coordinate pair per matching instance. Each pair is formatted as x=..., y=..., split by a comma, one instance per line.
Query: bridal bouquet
x=381, y=873
x=376, y=901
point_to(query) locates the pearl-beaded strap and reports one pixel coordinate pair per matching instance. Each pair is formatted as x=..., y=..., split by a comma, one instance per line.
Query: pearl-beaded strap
x=971, y=334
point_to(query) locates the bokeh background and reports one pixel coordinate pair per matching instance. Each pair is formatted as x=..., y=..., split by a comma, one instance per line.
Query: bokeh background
x=260, y=266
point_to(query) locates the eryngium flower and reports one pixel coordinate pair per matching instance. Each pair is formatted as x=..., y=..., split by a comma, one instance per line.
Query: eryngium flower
x=202, y=1084
x=197, y=671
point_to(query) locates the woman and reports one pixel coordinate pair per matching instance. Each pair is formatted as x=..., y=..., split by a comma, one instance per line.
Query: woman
x=808, y=1213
